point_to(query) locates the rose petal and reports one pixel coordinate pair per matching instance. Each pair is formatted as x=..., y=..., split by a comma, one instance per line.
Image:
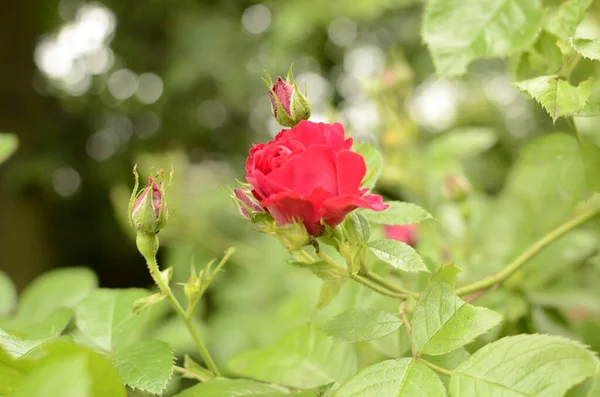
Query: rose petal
x=264, y=186
x=314, y=168
x=351, y=170
x=334, y=210
x=310, y=134
x=286, y=207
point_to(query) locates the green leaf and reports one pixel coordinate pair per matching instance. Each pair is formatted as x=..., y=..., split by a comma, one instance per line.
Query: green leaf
x=316, y=392
x=398, y=254
x=449, y=361
x=145, y=365
x=398, y=213
x=373, y=160
x=233, y=388
x=105, y=379
x=361, y=325
x=107, y=319
x=589, y=48
x=442, y=322
x=461, y=143
x=357, y=227
x=302, y=358
x=12, y=372
x=8, y=295
x=592, y=108
x=401, y=377
x=524, y=365
x=50, y=327
x=557, y=96
x=329, y=290
x=458, y=32
x=8, y=145
x=65, y=378
x=589, y=388
x=55, y=289
x=561, y=21
x=17, y=347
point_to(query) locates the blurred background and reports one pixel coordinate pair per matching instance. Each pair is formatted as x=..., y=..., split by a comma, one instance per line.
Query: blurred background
x=92, y=88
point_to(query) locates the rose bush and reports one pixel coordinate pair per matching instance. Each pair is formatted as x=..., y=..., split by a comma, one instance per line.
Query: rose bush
x=309, y=174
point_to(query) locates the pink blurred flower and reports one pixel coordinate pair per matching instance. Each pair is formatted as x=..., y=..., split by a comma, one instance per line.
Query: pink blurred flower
x=405, y=233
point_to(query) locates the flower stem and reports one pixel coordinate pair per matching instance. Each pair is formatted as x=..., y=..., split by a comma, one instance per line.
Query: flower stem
x=360, y=279
x=165, y=289
x=436, y=368
x=391, y=286
x=406, y=324
x=529, y=253
x=202, y=377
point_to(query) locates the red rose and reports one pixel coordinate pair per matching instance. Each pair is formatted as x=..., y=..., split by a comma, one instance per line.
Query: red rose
x=405, y=233
x=309, y=173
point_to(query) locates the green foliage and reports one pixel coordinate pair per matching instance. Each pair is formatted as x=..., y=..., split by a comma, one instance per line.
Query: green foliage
x=233, y=388
x=373, y=160
x=398, y=213
x=556, y=95
x=55, y=289
x=8, y=144
x=531, y=365
x=43, y=372
x=443, y=322
x=589, y=48
x=401, y=377
x=8, y=295
x=461, y=143
x=145, y=365
x=563, y=19
x=458, y=32
x=106, y=317
x=302, y=358
x=66, y=377
x=398, y=254
x=361, y=325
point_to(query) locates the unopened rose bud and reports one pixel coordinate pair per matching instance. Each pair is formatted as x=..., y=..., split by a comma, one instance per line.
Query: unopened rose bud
x=288, y=104
x=148, y=211
x=245, y=203
x=456, y=187
x=405, y=233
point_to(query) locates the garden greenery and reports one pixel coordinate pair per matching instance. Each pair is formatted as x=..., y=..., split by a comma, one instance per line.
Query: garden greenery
x=406, y=305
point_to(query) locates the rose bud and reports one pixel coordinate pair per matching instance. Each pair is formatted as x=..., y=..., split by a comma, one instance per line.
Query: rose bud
x=405, y=233
x=456, y=187
x=148, y=211
x=288, y=104
x=310, y=174
x=245, y=203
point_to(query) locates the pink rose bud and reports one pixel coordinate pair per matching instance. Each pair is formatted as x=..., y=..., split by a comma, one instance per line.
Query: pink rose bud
x=456, y=187
x=288, y=104
x=246, y=205
x=405, y=233
x=148, y=209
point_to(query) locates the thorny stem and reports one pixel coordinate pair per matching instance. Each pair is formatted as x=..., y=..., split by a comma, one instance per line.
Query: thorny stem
x=202, y=377
x=529, y=253
x=413, y=350
x=358, y=278
x=165, y=289
x=406, y=324
x=391, y=286
x=436, y=368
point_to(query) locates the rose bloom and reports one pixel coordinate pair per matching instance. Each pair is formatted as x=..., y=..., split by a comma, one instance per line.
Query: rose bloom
x=405, y=233
x=309, y=174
